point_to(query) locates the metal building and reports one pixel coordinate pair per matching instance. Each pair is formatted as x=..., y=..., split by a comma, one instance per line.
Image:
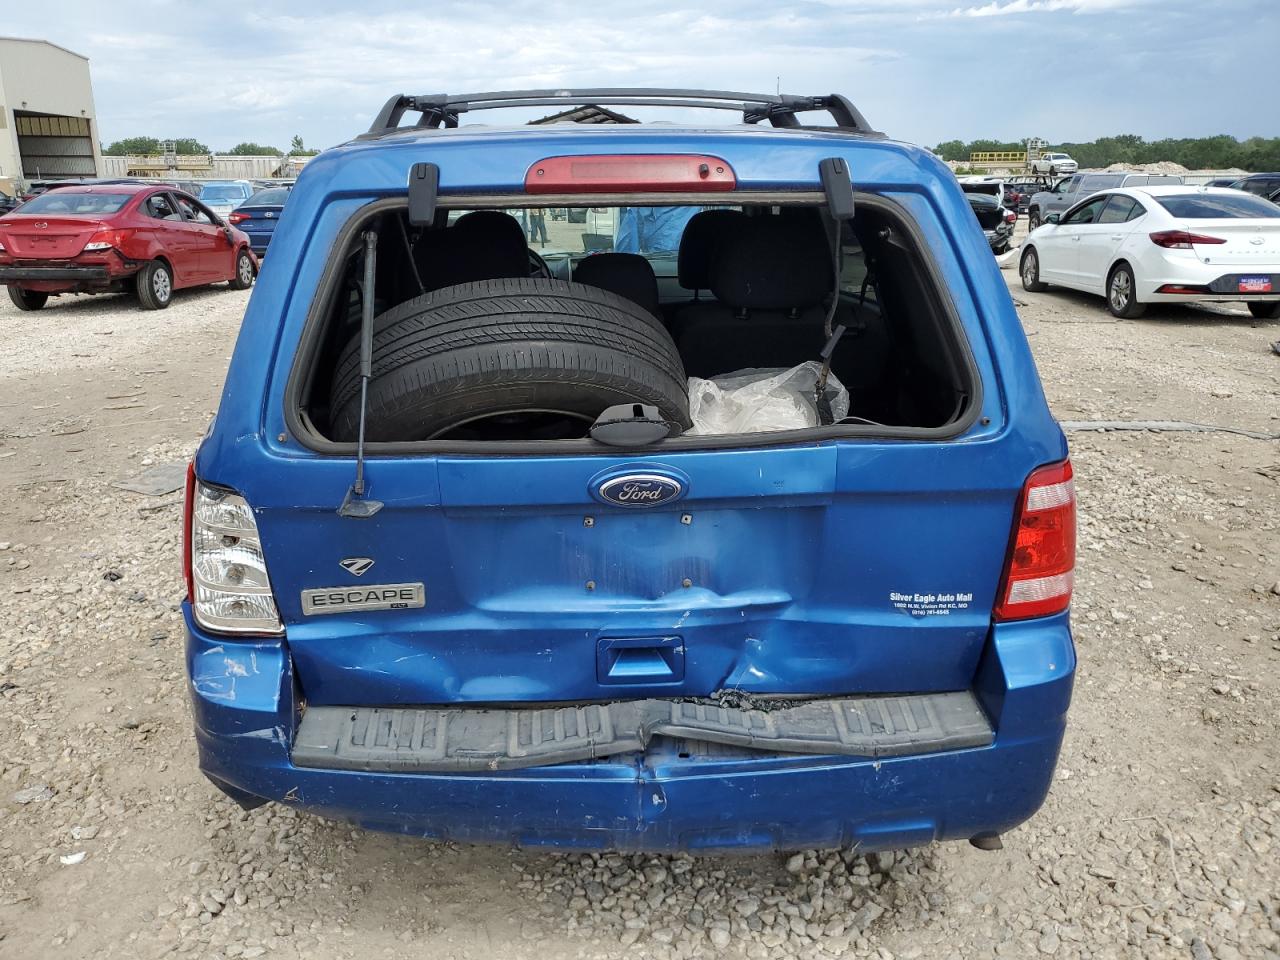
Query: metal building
x=48, y=126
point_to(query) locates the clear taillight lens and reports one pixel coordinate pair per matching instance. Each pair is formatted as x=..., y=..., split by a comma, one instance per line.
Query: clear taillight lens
x=227, y=580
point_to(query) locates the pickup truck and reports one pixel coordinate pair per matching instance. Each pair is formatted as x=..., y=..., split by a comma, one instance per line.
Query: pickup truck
x=1054, y=164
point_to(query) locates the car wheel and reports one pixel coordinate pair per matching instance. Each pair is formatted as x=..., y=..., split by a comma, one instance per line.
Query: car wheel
x=1122, y=293
x=1053, y=171
x=244, y=274
x=155, y=285
x=1263, y=311
x=1030, y=270
x=31, y=299
x=1033, y=220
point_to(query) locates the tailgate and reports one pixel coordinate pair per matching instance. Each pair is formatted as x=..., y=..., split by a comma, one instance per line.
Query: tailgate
x=825, y=569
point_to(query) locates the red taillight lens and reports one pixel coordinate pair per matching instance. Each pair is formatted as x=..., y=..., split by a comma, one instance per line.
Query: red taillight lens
x=186, y=529
x=1181, y=239
x=1010, y=217
x=235, y=217
x=654, y=173
x=1182, y=288
x=105, y=240
x=1039, y=571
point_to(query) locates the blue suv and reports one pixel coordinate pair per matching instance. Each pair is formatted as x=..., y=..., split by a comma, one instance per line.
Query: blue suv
x=465, y=559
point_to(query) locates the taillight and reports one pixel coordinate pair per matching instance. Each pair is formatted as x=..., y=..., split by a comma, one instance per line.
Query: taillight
x=1181, y=239
x=1038, y=573
x=1010, y=217
x=105, y=240
x=651, y=173
x=235, y=217
x=226, y=572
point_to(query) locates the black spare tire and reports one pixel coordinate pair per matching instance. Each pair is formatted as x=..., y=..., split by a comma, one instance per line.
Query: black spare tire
x=507, y=359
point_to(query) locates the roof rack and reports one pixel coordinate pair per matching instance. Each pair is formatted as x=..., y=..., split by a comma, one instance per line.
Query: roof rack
x=442, y=109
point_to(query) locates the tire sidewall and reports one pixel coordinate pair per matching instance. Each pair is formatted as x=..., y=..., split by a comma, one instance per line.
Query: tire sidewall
x=1036, y=285
x=148, y=295
x=27, y=299
x=489, y=348
x=237, y=280
x=1131, y=307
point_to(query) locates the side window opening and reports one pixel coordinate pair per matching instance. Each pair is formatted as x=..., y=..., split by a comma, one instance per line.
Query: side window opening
x=726, y=288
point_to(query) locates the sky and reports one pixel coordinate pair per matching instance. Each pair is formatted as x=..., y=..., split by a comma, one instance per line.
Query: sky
x=920, y=70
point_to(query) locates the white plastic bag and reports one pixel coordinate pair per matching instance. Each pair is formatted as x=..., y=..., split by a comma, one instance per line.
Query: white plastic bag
x=756, y=400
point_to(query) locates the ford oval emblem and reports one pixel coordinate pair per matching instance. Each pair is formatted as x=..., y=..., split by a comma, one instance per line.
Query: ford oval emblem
x=640, y=490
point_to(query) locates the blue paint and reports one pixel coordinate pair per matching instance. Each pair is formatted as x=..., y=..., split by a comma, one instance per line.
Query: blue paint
x=769, y=570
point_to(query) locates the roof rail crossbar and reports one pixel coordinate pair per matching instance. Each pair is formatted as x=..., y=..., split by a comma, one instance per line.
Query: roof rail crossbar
x=780, y=110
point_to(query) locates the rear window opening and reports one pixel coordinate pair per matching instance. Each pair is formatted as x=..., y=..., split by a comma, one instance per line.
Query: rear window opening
x=504, y=323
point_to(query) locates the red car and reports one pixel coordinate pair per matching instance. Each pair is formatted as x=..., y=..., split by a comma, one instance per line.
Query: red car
x=106, y=238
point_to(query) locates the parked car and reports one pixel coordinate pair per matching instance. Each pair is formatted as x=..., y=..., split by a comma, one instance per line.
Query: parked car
x=459, y=564
x=259, y=215
x=1162, y=245
x=223, y=196
x=7, y=203
x=1019, y=190
x=1222, y=182
x=1266, y=185
x=1053, y=164
x=113, y=238
x=987, y=199
x=1070, y=191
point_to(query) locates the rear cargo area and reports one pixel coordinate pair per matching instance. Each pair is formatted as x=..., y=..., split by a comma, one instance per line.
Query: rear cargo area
x=683, y=294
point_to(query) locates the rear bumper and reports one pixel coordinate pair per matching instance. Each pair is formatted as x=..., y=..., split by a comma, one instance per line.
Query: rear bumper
x=10, y=274
x=246, y=710
x=100, y=271
x=1214, y=283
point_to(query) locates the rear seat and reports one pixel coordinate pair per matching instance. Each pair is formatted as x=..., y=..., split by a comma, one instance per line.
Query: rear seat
x=770, y=276
x=628, y=275
x=481, y=245
x=702, y=237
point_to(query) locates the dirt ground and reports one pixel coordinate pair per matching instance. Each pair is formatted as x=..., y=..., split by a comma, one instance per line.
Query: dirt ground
x=1161, y=837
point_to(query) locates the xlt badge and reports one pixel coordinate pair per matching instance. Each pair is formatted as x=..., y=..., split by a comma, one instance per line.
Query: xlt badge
x=373, y=596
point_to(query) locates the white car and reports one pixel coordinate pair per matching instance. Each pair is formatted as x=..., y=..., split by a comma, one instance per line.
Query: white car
x=1141, y=245
x=1054, y=164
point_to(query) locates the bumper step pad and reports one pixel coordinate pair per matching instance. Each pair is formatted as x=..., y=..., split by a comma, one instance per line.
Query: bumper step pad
x=443, y=740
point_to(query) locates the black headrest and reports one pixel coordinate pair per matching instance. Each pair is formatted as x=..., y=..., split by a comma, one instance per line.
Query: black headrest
x=628, y=275
x=484, y=245
x=773, y=263
x=701, y=237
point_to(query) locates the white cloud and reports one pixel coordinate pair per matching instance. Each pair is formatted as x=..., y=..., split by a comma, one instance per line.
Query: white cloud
x=322, y=69
x=996, y=8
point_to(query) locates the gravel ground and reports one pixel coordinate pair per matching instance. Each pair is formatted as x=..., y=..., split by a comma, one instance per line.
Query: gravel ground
x=1161, y=837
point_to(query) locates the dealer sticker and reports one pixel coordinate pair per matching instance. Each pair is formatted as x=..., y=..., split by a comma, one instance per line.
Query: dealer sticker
x=361, y=599
x=1255, y=284
x=930, y=604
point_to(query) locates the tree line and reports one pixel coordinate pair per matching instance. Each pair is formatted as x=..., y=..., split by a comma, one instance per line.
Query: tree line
x=1256, y=154
x=189, y=146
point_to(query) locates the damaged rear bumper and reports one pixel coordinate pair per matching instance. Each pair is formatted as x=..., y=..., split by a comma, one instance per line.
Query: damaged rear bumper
x=860, y=788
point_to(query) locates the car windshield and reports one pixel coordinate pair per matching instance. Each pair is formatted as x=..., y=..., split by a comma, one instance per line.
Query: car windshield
x=992, y=189
x=76, y=204
x=1205, y=206
x=216, y=192
x=274, y=197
